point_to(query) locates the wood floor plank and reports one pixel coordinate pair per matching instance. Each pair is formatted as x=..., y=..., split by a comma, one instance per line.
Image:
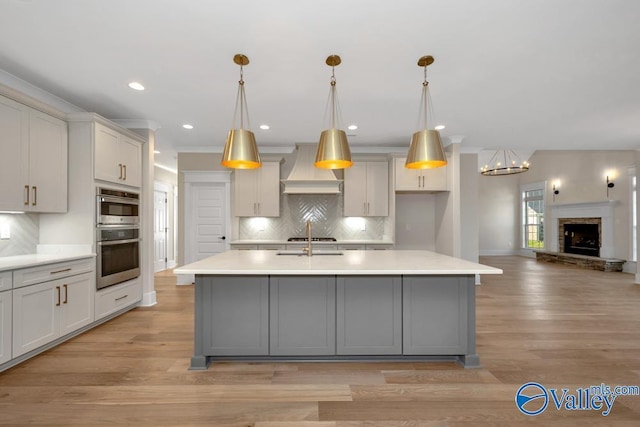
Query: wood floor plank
x=179, y=394
x=558, y=325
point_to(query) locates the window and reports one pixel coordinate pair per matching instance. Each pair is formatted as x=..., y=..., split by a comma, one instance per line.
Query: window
x=533, y=218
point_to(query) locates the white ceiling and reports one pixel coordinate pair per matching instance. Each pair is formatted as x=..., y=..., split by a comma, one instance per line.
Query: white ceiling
x=543, y=74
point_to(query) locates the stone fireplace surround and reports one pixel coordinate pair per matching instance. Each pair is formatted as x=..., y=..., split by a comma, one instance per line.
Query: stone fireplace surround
x=563, y=221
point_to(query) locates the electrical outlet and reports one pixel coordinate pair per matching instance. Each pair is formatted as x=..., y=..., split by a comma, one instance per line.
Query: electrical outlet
x=5, y=232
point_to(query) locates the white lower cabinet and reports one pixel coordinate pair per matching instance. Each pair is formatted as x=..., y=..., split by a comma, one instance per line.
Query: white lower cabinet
x=5, y=326
x=50, y=310
x=115, y=298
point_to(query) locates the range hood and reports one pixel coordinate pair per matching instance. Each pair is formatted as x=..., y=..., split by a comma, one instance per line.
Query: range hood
x=305, y=178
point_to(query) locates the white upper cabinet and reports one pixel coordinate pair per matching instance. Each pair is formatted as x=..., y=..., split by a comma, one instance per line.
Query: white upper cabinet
x=366, y=189
x=257, y=191
x=118, y=158
x=420, y=179
x=33, y=166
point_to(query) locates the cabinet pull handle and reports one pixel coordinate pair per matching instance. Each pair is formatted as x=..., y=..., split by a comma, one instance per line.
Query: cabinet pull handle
x=259, y=210
x=66, y=291
x=120, y=166
x=35, y=195
x=118, y=299
x=60, y=271
x=125, y=172
x=26, y=191
x=368, y=208
x=58, y=292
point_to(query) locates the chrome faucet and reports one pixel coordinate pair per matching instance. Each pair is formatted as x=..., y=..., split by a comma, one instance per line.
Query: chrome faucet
x=308, y=248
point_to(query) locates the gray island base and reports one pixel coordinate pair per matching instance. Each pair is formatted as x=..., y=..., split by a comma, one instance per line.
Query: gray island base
x=362, y=305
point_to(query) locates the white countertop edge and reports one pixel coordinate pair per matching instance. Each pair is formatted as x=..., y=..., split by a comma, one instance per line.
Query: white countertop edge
x=333, y=272
x=32, y=260
x=364, y=262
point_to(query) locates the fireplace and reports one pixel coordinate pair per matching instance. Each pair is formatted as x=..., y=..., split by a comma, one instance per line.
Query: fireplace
x=582, y=239
x=581, y=236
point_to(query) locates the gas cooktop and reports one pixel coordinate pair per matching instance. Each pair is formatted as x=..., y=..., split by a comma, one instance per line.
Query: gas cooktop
x=313, y=239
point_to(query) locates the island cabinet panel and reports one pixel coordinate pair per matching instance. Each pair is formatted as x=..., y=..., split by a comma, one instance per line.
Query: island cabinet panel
x=435, y=315
x=369, y=315
x=235, y=315
x=303, y=315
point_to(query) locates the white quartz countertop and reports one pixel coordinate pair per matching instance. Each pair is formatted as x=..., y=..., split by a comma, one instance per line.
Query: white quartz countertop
x=370, y=262
x=32, y=260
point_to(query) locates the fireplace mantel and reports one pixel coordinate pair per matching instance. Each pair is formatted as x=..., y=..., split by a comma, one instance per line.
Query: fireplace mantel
x=602, y=209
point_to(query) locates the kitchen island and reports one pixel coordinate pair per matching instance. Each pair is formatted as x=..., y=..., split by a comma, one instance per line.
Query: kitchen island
x=351, y=305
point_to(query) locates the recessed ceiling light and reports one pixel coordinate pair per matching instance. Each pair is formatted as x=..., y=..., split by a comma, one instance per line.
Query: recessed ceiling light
x=156, y=152
x=265, y=127
x=440, y=127
x=187, y=126
x=136, y=86
x=352, y=127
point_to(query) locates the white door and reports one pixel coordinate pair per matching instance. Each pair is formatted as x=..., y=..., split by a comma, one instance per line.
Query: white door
x=159, y=230
x=207, y=213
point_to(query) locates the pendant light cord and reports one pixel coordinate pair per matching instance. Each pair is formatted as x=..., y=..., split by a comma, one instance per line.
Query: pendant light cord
x=241, y=102
x=333, y=105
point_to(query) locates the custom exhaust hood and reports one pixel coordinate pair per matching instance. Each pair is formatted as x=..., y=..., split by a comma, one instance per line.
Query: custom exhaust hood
x=305, y=178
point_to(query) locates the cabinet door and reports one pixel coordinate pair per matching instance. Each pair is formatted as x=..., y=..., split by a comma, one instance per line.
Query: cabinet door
x=106, y=154
x=269, y=190
x=435, y=179
x=369, y=315
x=406, y=179
x=5, y=326
x=77, y=302
x=245, y=192
x=35, y=316
x=48, y=146
x=377, y=189
x=435, y=315
x=130, y=157
x=355, y=190
x=302, y=315
x=234, y=312
x=14, y=161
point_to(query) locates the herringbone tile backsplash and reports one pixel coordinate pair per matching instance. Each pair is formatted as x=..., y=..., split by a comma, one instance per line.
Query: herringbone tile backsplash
x=25, y=234
x=325, y=212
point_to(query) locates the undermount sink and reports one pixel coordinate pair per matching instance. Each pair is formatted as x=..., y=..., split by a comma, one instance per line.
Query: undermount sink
x=314, y=252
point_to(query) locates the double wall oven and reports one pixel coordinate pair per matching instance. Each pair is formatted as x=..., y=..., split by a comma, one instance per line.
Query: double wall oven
x=117, y=236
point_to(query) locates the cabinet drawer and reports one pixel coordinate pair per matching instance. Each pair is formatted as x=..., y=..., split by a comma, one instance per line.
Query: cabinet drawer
x=5, y=280
x=117, y=297
x=44, y=273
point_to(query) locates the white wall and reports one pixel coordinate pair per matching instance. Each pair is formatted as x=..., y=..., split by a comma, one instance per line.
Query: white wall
x=498, y=204
x=469, y=210
x=415, y=219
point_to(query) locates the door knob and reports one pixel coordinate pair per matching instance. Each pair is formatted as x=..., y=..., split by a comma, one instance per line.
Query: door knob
x=222, y=238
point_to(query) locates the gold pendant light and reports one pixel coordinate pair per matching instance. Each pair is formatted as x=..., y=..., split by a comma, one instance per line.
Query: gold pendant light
x=333, y=148
x=240, y=149
x=425, y=151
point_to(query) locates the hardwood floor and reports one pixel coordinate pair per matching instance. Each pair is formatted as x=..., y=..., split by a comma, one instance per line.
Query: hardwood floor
x=560, y=326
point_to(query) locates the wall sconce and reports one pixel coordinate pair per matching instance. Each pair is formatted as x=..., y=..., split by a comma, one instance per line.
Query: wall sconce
x=610, y=184
x=555, y=192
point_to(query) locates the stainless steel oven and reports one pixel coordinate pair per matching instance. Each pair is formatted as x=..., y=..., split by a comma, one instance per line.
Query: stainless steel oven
x=117, y=207
x=118, y=250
